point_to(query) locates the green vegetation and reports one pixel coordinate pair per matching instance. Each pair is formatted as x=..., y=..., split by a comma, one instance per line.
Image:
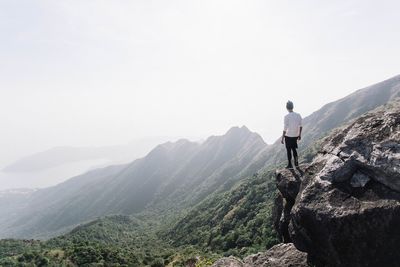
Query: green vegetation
x=11, y=247
x=28, y=253
x=237, y=222
x=110, y=241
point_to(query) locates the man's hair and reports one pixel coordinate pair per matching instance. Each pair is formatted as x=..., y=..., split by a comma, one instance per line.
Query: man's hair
x=289, y=105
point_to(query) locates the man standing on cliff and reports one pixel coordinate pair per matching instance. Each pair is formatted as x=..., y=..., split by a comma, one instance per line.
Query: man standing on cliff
x=291, y=133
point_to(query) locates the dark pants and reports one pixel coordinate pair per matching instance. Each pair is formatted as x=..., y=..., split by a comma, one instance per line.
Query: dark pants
x=291, y=146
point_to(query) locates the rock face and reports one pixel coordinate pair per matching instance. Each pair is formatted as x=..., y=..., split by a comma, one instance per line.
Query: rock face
x=281, y=255
x=344, y=210
x=288, y=183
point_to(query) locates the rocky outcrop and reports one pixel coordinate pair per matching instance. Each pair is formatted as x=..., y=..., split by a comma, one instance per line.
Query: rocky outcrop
x=288, y=182
x=228, y=262
x=281, y=255
x=344, y=210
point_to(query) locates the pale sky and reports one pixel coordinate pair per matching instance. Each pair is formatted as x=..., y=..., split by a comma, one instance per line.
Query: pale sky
x=79, y=73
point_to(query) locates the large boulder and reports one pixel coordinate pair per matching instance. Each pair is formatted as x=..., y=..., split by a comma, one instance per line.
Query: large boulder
x=347, y=210
x=281, y=255
x=228, y=262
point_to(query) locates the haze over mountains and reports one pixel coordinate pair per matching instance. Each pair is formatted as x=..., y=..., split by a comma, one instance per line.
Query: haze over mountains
x=55, y=165
x=50, y=167
x=173, y=177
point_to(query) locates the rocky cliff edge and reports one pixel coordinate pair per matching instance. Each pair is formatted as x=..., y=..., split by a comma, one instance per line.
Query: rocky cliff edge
x=344, y=208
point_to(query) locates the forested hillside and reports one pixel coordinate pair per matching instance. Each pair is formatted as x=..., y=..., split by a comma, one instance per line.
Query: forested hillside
x=110, y=241
x=237, y=222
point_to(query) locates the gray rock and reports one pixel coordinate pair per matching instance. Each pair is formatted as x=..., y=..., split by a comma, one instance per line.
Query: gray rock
x=228, y=262
x=347, y=208
x=359, y=179
x=277, y=211
x=288, y=182
x=337, y=170
x=371, y=143
x=281, y=255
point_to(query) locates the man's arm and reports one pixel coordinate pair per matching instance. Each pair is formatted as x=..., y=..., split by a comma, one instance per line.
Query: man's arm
x=285, y=127
x=301, y=128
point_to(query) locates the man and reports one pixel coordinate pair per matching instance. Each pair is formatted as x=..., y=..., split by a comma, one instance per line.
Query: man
x=291, y=133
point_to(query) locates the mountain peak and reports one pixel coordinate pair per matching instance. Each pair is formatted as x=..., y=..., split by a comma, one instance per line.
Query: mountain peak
x=173, y=147
x=236, y=129
x=236, y=135
x=179, y=142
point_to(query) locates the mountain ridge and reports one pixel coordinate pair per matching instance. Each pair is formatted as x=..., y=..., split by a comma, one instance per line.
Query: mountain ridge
x=169, y=169
x=175, y=176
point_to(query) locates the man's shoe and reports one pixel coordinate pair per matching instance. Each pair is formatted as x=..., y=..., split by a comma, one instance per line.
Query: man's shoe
x=296, y=162
x=289, y=166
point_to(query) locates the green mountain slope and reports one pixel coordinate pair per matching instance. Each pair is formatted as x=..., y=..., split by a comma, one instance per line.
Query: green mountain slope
x=173, y=176
x=236, y=222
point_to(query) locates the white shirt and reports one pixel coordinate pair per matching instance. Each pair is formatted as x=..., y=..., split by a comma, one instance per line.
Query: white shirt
x=292, y=124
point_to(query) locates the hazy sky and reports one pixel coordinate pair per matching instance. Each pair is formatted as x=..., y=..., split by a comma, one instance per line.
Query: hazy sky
x=106, y=72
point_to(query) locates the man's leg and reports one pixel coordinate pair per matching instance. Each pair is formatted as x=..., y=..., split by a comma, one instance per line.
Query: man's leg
x=289, y=157
x=296, y=161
